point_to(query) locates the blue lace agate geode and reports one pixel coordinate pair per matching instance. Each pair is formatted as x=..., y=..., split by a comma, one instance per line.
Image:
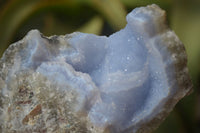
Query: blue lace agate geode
x=83, y=83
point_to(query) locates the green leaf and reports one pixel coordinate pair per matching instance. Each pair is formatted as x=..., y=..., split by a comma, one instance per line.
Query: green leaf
x=93, y=26
x=15, y=12
x=112, y=10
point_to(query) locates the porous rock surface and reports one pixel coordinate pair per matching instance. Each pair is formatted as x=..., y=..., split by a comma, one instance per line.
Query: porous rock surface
x=83, y=83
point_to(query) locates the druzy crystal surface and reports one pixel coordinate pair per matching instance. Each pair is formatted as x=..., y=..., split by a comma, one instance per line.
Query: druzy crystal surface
x=84, y=83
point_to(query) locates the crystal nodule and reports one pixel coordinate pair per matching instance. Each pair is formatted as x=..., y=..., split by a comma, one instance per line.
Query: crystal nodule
x=127, y=82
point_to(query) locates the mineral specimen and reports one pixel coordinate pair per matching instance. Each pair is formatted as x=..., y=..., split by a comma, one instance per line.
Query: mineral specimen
x=83, y=83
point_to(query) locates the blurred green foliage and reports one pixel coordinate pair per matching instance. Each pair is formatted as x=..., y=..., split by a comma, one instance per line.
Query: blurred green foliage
x=104, y=17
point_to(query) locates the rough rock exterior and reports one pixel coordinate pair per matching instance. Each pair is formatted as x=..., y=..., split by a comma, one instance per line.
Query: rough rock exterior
x=83, y=83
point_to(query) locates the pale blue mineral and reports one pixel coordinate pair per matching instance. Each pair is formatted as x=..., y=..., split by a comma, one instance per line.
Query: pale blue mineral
x=84, y=83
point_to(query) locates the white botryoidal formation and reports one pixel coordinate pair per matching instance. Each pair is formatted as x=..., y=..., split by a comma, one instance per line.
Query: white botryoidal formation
x=83, y=83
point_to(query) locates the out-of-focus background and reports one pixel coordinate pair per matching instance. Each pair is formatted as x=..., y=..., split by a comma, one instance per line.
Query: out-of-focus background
x=103, y=17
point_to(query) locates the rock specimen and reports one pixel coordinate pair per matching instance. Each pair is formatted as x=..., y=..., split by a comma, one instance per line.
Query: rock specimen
x=83, y=83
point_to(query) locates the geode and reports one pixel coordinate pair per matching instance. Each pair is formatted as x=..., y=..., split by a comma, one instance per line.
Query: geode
x=84, y=83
